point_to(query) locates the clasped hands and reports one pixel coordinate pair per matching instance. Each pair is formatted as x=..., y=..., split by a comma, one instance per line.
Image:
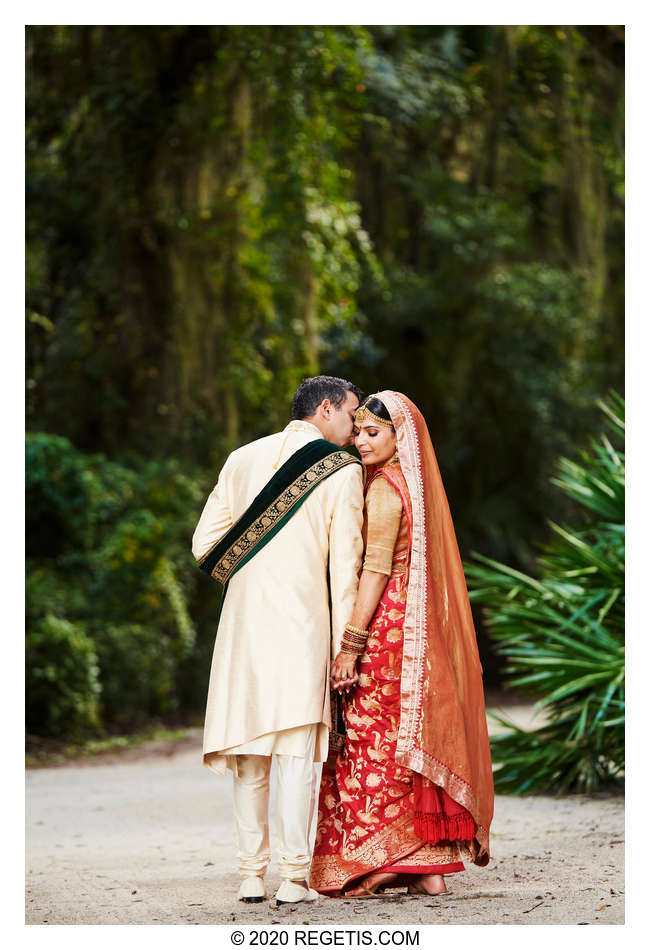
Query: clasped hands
x=343, y=672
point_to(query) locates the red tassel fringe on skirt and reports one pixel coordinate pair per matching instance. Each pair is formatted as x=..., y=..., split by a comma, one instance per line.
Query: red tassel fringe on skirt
x=437, y=816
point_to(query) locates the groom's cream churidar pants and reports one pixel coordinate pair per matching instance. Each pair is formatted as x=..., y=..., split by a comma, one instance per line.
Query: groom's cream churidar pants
x=295, y=801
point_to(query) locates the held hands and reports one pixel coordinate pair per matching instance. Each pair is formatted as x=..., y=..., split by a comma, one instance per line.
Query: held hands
x=343, y=673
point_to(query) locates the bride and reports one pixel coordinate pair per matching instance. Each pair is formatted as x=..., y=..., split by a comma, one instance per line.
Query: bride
x=410, y=793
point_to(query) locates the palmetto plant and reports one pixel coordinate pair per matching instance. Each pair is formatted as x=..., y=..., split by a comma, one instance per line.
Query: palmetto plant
x=563, y=632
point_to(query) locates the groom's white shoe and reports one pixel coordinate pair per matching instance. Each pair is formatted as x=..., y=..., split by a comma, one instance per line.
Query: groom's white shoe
x=291, y=892
x=252, y=890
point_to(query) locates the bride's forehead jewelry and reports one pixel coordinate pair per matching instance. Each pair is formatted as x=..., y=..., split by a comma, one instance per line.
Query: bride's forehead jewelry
x=364, y=413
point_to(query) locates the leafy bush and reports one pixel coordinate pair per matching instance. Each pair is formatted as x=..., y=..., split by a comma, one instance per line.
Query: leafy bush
x=62, y=679
x=109, y=555
x=137, y=670
x=563, y=634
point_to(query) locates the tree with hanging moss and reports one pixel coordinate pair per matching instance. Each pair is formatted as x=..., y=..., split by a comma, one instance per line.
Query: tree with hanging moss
x=214, y=212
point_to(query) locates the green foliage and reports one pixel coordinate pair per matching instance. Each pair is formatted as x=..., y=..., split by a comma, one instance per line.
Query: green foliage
x=109, y=552
x=137, y=673
x=493, y=212
x=214, y=212
x=236, y=238
x=62, y=687
x=562, y=634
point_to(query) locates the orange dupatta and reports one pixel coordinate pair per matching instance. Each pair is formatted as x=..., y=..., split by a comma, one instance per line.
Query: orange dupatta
x=443, y=730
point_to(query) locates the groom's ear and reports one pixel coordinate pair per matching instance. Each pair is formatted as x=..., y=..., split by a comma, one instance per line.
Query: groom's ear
x=324, y=409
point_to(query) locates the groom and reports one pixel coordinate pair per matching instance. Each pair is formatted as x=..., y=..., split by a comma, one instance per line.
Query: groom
x=282, y=531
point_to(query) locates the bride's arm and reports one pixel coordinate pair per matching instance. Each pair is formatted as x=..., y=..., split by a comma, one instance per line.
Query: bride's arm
x=371, y=587
x=384, y=513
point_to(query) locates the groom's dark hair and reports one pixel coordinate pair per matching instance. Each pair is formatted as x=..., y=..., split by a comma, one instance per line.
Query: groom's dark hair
x=311, y=392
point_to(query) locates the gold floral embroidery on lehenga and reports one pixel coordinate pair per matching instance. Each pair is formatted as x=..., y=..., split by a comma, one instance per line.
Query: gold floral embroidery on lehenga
x=366, y=808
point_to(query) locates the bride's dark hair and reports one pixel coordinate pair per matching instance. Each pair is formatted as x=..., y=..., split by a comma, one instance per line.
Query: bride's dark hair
x=376, y=406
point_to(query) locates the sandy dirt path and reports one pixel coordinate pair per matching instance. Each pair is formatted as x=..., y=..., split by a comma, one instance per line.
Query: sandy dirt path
x=149, y=840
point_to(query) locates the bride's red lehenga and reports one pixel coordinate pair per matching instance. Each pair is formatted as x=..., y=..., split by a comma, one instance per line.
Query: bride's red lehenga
x=412, y=789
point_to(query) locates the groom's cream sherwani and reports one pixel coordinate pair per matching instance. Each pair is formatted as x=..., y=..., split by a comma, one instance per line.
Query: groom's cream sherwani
x=269, y=686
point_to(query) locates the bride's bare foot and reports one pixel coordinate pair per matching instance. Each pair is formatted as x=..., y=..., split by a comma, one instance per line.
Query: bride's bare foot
x=428, y=884
x=372, y=884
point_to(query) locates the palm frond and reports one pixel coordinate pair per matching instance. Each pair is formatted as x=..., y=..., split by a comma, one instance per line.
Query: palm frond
x=562, y=632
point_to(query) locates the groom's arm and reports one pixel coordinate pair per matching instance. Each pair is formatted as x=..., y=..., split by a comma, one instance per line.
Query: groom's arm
x=216, y=518
x=345, y=548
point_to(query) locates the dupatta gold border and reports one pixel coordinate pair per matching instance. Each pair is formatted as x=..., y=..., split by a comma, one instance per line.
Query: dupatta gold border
x=409, y=750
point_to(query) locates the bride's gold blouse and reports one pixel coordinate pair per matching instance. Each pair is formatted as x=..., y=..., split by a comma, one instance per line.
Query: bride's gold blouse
x=385, y=528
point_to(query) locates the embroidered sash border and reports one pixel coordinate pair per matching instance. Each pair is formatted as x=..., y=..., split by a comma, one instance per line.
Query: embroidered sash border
x=273, y=506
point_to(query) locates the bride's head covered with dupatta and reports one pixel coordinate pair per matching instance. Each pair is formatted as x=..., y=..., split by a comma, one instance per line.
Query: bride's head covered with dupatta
x=443, y=730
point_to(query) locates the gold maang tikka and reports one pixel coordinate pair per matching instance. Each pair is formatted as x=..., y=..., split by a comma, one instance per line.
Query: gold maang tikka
x=364, y=413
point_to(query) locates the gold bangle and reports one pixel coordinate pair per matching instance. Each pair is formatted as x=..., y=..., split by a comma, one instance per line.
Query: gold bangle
x=356, y=648
x=354, y=640
x=358, y=630
x=352, y=650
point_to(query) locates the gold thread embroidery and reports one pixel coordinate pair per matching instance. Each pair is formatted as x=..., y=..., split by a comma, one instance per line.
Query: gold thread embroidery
x=262, y=525
x=408, y=751
x=364, y=413
x=333, y=871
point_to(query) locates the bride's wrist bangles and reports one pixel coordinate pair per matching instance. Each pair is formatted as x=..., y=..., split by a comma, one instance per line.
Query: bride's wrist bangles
x=354, y=640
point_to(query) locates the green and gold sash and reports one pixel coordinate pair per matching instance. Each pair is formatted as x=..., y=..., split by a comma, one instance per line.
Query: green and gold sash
x=273, y=507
